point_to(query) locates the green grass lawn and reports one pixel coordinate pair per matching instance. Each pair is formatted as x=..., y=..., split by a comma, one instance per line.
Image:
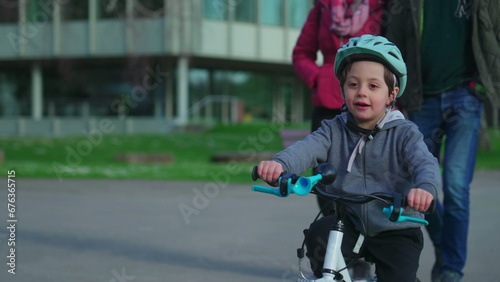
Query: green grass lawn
x=94, y=157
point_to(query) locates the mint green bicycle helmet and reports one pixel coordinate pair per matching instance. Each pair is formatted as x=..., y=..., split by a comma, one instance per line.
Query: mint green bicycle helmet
x=373, y=48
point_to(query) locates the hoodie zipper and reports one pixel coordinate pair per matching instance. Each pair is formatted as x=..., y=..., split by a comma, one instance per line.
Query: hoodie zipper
x=364, y=214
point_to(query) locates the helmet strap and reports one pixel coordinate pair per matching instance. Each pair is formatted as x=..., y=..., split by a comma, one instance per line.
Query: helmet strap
x=392, y=104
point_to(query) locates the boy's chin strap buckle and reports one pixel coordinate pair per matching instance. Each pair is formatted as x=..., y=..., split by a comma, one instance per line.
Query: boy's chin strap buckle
x=369, y=133
x=373, y=132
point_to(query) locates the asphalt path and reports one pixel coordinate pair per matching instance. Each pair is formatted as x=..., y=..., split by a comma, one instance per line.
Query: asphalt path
x=133, y=230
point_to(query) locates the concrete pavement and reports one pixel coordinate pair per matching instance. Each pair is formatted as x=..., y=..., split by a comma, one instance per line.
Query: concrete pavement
x=134, y=230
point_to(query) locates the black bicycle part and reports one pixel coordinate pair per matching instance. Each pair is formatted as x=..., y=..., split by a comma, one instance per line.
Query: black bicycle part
x=255, y=174
x=337, y=276
x=328, y=173
x=397, y=206
x=283, y=184
x=431, y=208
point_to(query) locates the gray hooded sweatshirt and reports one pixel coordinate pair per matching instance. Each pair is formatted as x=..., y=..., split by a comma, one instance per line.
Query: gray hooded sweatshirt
x=395, y=159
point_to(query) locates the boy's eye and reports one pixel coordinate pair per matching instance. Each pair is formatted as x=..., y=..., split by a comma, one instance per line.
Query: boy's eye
x=372, y=85
x=352, y=84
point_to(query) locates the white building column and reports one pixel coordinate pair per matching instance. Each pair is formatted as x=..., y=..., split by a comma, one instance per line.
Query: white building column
x=92, y=25
x=129, y=28
x=56, y=20
x=182, y=90
x=20, y=48
x=36, y=92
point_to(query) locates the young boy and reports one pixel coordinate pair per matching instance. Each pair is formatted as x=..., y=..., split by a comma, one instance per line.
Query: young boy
x=374, y=149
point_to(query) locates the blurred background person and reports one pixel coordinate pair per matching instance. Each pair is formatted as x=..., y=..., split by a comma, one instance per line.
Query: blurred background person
x=329, y=25
x=448, y=55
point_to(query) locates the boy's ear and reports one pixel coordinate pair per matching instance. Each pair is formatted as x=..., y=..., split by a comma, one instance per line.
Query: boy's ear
x=393, y=95
x=395, y=92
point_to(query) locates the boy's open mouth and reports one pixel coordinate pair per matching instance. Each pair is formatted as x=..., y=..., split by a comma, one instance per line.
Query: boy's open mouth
x=362, y=105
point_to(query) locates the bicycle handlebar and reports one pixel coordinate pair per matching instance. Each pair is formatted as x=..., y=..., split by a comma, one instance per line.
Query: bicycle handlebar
x=302, y=185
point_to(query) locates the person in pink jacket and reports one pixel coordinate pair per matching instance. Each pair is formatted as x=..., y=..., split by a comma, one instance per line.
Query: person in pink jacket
x=329, y=25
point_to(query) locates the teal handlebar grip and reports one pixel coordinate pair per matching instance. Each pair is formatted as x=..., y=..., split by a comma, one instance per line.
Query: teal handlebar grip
x=268, y=190
x=388, y=211
x=413, y=219
x=302, y=187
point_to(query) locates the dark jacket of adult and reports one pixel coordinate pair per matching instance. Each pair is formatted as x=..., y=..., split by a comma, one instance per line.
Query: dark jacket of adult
x=486, y=46
x=403, y=28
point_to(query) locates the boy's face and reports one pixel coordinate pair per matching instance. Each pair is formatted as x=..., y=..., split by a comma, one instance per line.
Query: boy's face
x=366, y=93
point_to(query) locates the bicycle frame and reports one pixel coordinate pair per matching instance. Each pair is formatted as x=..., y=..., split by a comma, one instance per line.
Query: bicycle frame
x=334, y=260
x=334, y=266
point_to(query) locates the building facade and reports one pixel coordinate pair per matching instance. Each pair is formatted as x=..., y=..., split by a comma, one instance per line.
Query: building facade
x=147, y=66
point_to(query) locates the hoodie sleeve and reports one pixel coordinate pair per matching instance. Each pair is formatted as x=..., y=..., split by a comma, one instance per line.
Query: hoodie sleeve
x=307, y=153
x=422, y=165
x=306, y=48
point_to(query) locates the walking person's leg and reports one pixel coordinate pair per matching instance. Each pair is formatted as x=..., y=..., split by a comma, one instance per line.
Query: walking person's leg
x=430, y=123
x=463, y=119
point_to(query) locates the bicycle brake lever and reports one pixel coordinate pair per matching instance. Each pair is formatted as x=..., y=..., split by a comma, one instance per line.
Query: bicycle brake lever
x=396, y=209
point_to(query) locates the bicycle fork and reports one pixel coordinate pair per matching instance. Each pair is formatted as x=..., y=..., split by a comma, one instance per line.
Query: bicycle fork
x=334, y=260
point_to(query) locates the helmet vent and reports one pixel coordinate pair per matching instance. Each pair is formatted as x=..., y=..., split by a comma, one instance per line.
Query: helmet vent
x=394, y=55
x=377, y=43
x=390, y=44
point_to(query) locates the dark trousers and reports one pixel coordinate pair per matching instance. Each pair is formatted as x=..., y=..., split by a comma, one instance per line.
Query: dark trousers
x=318, y=115
x=395, y=253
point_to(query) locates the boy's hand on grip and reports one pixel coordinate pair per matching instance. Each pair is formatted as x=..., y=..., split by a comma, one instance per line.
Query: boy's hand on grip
x=419, y=199
x=270, y=171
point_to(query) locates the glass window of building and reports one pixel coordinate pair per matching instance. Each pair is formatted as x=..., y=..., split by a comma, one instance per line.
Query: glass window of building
x=216, y=9
x=148, y=8
x=115, y=91
x=63, y=95
x=110, y=9
x=9, y=11
x=199, y=85
x=39, y=11
x=249, y=90
x=75, y=10
x=271, y=12
x=297, y=12
x=199, y=90
x=255, y=91
x=244, y=10
x=15, y=88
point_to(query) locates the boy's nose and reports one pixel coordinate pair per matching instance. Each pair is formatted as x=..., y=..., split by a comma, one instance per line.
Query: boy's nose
x=362, y=90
